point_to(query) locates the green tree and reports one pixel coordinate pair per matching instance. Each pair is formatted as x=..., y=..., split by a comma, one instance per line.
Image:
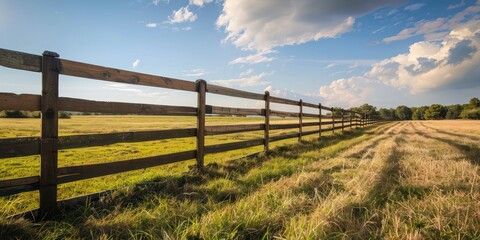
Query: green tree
x=384, y=113
x=337, y=111
x=64, y=115
x=471, y=110
x=453, y=112
x=387, y=114
x=16, y=114
x=474, y=102
x=366, y=109
x=419, y=113
x=470, y=113
x=403, y=112
x=435, y=112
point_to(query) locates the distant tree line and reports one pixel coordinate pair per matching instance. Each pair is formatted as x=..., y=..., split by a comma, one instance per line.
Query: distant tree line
x=469, y=110
x=29, y=114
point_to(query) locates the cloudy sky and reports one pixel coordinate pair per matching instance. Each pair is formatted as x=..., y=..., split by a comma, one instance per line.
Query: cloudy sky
x=338, y=53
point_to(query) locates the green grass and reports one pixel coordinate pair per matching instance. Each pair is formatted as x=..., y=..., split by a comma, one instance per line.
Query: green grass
x=396, y=180
x=30, y=165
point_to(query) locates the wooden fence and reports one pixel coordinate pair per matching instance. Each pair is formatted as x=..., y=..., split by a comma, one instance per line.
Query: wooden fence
x=49, y=103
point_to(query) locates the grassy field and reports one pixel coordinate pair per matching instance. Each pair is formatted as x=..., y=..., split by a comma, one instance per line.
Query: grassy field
x=411, y=180
x=30, y=165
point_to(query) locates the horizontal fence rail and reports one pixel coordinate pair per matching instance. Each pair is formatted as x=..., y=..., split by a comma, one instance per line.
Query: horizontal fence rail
x=49, y=103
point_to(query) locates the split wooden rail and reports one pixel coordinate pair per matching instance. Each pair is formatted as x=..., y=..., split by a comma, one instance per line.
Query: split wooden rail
x=49, y=103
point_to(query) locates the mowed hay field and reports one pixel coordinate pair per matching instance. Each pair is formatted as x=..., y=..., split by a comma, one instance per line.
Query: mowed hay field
x=414, y=180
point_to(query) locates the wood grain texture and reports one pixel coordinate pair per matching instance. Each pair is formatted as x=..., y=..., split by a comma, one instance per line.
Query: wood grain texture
x=201, y=107
x=326, y=108
x=310, y=115
x=18, y=147
x=234, y=111
x=284, y=101
x=300, y=120
x=91, y=140
x=333, y=121
x=84, y=70
x=75, y=173
x=82, y=105
x=25, y=102
x=48, y=142
x=20, y=60
x=319, y=120
x=308, y=124
x=283, y=126
x=19, y=181
x=266, y=132
x=311, y=105
x=18, y=185
x=283, y=114
x=233, y=92
x=8, y=191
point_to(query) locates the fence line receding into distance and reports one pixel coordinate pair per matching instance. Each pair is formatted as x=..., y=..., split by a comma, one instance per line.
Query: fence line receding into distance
x=49, y=103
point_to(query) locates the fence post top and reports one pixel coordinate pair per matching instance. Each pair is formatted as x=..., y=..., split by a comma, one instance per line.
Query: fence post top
x=201, y=81
x=50, y=54
x=267, y=93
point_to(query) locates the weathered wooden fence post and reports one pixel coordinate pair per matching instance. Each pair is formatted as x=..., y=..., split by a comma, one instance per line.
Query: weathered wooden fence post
x=350, y=118
x=266, y=131
x=201, y=111
x=333, y=120
x=319, y=120
x=300, y=121
x=343, y=121
x=49, y=140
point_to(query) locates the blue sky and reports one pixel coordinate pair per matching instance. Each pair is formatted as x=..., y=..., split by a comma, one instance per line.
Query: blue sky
x=340, y=53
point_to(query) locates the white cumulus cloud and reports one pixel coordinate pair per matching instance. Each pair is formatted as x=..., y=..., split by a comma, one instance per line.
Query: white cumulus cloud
x=437, y=29
x=431, y=64
x=200, y=3
x=428, y=65
x=263, y=25
x=182, y=15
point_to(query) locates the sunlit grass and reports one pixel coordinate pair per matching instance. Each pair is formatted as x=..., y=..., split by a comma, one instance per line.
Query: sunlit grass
x=415, y=180
x=78, y=125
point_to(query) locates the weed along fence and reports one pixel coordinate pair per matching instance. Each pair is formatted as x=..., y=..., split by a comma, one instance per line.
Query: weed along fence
x=49, y=103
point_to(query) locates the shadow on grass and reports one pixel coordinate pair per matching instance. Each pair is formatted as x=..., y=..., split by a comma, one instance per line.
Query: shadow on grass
x=452, y=134
x=176, y=187
x=361, y=154
x=363, y=220
x=296, y=150
x=471, y=153
x=181, y=187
